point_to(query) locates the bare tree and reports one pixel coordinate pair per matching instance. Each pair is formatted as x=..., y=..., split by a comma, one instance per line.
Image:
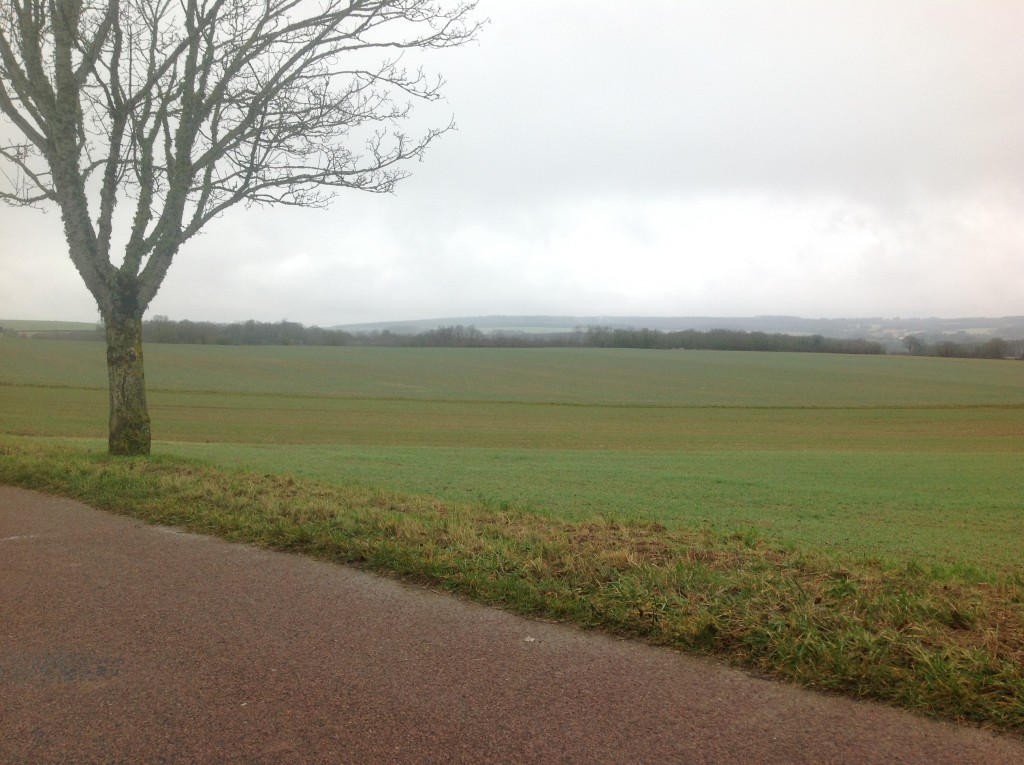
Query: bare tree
x=914, y=344
x=179, y=109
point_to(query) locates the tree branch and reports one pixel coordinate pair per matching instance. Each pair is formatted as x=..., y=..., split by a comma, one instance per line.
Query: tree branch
x=189, y=107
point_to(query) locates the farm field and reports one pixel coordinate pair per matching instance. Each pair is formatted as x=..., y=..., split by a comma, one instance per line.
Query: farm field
x=850, y=523
x=892, y=457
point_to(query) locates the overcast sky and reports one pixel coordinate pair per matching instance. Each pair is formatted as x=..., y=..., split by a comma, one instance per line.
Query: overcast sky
x=822, y=158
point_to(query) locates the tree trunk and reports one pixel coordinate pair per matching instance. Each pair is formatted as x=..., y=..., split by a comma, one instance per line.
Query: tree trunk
x=129, y=418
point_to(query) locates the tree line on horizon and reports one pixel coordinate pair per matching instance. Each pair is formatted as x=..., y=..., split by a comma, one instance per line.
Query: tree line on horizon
x=161, y=329
x=993, y=348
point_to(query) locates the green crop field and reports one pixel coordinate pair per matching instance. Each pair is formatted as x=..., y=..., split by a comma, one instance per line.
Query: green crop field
x=886, y=456
x=853, y=523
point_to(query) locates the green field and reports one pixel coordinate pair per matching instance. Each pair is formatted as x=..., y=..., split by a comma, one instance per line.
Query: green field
x=882, y=456
x=851, y=523
x=29, y=325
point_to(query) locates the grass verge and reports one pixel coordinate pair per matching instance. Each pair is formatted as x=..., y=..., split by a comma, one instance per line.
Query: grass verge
x=947, y=642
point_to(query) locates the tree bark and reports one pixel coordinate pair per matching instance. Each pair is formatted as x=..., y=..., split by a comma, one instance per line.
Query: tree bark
x=129, y=418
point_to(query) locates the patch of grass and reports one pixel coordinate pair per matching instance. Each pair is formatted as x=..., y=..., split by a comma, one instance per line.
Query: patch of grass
x=945, y=641
x=943, y=508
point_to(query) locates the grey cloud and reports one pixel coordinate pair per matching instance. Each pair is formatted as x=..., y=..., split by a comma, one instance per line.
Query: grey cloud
x=829, y=157
x=858, y=98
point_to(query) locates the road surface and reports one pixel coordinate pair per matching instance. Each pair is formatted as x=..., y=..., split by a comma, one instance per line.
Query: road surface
x=135, y=644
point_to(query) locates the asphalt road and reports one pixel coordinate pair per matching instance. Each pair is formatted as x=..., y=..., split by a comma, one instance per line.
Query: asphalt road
x=134, y=644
